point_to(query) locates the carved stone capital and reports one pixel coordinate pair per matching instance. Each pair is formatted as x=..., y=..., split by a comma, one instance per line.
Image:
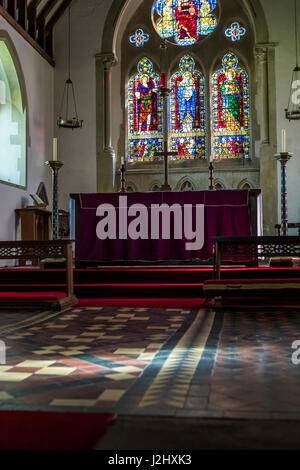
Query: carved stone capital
x=108, y=60
x=261, y=54
x=261, y=50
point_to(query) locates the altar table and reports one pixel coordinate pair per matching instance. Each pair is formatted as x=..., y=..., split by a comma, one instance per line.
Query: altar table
x=227, y=213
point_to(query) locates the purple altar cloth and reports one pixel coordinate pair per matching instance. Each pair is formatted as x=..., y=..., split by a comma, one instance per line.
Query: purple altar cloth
x=226, y=214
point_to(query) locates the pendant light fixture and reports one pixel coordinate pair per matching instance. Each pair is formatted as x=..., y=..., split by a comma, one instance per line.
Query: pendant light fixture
x=292, y=112
x=68, y=104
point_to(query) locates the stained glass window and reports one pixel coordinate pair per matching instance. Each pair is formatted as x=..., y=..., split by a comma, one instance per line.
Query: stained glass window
x=184, y=21
x=12, y=122
x=187, y=111
x=145, y=131
x=230, y=110
x=235, y=32
x=139, y=38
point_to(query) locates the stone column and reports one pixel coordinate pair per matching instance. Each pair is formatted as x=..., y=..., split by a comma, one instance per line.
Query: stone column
x=262, y=57
x=105, y=153
x=267, y=112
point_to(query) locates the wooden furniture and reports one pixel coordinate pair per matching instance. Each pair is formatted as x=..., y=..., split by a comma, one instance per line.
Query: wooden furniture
x=252, y=249
x=35, y=225
x=39, y=250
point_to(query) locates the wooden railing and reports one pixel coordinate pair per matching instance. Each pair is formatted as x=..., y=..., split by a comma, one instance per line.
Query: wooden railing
x=58, y=249
x=248, y=249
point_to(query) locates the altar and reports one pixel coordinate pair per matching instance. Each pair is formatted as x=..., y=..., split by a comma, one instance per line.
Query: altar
x=224, y=213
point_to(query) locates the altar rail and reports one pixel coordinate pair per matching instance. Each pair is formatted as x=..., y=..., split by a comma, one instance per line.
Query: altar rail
x=56, y=249
x=253, y=248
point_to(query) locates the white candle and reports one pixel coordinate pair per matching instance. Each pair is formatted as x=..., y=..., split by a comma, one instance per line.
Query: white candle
x=283, y=140
x=122, y=161
x=55, y=149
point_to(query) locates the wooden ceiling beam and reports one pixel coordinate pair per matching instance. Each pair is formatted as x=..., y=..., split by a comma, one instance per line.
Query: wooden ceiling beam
x=52, y=22
x=22, y=13
x=12, y=8
x=41, y=22
x=39, y=25
x=31, y=13
x=47, y=9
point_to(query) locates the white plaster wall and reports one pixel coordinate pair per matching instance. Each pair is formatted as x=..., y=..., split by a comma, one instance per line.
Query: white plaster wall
x=78, y=148
x=280, y=17
x=38, y=75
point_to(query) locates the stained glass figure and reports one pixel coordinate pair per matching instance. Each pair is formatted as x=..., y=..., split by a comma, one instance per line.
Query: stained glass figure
x=230, y=110
x=187, y=111
x=183, y=22
x=235, y=32
x=145, y=133
x=139, y=38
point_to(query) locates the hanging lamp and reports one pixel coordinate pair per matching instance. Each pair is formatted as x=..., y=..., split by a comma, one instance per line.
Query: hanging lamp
x=292, y=112
x=67, y=121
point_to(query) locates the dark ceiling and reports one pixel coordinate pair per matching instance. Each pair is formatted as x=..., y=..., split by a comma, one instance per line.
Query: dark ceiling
x=35, y=19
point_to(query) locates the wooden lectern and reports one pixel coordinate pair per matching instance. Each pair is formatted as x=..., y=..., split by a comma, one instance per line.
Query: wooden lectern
x=35, y=224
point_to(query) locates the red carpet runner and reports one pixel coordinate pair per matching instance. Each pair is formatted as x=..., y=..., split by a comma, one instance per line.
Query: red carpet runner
x=37, y=430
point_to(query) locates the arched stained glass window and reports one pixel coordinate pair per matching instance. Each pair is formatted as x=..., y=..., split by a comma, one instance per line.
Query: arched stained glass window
x=187, y=111
x=12, y=122
x=183, y=22
x=145, y=132
x=230, y=110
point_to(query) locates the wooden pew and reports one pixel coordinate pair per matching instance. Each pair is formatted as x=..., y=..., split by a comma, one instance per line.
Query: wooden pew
x=24, y=250
x=251, y=292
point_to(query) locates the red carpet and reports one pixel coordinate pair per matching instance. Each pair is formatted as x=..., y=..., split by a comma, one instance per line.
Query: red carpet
x=146, y=303
x=39, y=430
x=32, y=295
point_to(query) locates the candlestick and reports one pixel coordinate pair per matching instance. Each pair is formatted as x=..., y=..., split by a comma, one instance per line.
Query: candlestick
x=55, y=166
x=283, y=158
x=123, y=178
x=212, y=185
x=55, y=149
x=283, y=141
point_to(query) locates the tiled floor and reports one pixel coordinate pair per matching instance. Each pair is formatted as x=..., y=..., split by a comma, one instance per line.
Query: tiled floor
x=152, y=362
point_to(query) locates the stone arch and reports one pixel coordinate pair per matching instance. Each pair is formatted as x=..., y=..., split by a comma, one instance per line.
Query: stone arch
x=186, y=184
x=245, y=184
x=132, y=187
x=261, y=66
x=121, y=10
x=155, y=186
x=219, y=184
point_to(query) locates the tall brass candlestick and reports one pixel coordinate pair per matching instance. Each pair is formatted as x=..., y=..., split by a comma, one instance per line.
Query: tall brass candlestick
x=55, y=166
x=283, y=158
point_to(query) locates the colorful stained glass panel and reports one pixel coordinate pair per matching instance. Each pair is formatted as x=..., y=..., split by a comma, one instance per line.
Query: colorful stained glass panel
x=230, y=110
x=235, y=32
x=139, y=38
x=183, y=22
x=145, y=132
x=187, y=111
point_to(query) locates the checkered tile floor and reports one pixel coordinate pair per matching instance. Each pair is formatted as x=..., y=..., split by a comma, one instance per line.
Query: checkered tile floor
x=164, y=362
x=86, y=358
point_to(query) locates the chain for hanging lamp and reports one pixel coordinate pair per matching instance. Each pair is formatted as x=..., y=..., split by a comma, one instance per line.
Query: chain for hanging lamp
x=292, y=112
x=65, y=119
